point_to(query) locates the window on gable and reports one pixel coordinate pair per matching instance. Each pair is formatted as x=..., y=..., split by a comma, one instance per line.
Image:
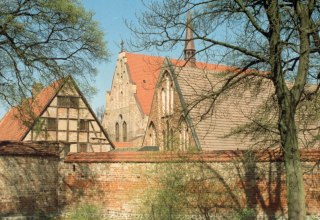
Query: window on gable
x=164, y=138
x=184, y=136
x=117, y=131
x=74, y=102
x=163, y=101
x=68, y=102
x=83, y=125
x=152, y=134
x=167, y=96
x=171, y=99
x=52, y=124
x=124, y=131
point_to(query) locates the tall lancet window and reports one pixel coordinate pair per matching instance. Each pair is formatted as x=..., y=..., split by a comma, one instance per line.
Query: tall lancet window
x=171, y=99
x=167, y=94
x=163, y=100
x=184, y=136
x=124, y=131
x=152, y=134
x=117, y=131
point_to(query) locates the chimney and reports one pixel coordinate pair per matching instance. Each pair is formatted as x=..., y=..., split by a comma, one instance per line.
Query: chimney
x=36, y=89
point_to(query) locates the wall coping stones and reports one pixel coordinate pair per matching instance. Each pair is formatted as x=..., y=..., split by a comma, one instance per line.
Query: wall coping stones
x=19, y=148
x=208, y=156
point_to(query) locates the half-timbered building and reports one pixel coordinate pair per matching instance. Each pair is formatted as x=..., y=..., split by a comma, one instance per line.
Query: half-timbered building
x=58, y=112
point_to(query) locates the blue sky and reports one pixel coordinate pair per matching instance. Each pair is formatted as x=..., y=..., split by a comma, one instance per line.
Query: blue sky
x=111, y=15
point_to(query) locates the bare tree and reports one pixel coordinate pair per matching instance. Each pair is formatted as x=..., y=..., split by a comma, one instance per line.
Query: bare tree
x=277, y=37
x=100, y=113
x=42, y=41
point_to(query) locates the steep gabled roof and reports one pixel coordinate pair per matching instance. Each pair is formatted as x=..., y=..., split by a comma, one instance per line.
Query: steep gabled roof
x=13, y=125
x=144, y=71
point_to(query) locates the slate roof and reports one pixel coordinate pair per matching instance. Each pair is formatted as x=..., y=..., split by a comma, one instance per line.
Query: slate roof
x=236, y=107
x=13, y=124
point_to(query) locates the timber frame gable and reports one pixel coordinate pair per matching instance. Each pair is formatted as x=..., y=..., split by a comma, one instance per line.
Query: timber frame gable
x=60, y=112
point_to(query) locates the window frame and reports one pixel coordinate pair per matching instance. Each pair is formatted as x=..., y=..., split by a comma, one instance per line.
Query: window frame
x=85, y=123
x=52, y=124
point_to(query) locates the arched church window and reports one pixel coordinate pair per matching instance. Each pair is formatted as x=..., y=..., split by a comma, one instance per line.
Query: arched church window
x=117, y=131
x=184, y=135
x=167, y=94
x=163, y=101
x=124, y=131
x=171, y=98
x=164, y=138
x=171, y=139
x=152, y=134
x=168, y=138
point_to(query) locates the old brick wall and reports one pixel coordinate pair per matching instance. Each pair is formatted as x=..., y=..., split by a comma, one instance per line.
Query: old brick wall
x=28, y=181
x=122, y=184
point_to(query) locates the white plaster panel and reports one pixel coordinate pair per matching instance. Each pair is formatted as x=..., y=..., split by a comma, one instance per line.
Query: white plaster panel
x=72, y=136
x=73, y=113
x=62, y=112
x=73, y=125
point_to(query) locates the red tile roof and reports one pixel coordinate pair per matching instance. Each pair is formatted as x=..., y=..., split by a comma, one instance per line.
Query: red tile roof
x=144, y=71
x=13, y=125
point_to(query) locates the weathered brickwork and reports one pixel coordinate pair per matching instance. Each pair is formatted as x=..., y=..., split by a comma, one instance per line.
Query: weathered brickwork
x=124, y=185
x=125, y=189
x=28, y=185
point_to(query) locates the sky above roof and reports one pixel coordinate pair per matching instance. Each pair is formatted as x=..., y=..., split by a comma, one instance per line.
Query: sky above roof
x=111, y=16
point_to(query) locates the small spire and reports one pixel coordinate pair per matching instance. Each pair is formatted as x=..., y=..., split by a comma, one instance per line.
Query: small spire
x=122, y=46
x=189, y=48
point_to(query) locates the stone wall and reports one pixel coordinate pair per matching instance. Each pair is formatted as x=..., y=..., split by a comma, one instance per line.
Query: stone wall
x=124, y=184
x=28, y=180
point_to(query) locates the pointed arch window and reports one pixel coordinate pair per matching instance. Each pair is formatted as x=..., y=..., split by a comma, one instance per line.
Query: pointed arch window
x=171, y=139
x=163, y=100
x=167, y=94
x=152, y=134
x=124, y=131
x=184, y=135
x=117, y=131
x=164, y=138
x=171, y=98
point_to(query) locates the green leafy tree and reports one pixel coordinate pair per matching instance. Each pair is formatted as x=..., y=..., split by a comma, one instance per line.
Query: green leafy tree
x=42, y=41
x=279, y=38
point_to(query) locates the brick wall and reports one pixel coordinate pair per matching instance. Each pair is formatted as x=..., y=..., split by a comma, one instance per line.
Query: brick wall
x=28, y=180
x=123, y=184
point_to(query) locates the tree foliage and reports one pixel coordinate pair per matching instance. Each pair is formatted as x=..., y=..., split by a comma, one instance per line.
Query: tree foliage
x=276, y=40
x=42, y=41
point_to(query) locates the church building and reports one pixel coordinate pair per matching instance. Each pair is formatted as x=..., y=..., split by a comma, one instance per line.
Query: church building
x=171, y=104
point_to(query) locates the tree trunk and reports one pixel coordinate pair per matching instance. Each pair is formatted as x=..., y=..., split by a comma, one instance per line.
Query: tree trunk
x=294, y=175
